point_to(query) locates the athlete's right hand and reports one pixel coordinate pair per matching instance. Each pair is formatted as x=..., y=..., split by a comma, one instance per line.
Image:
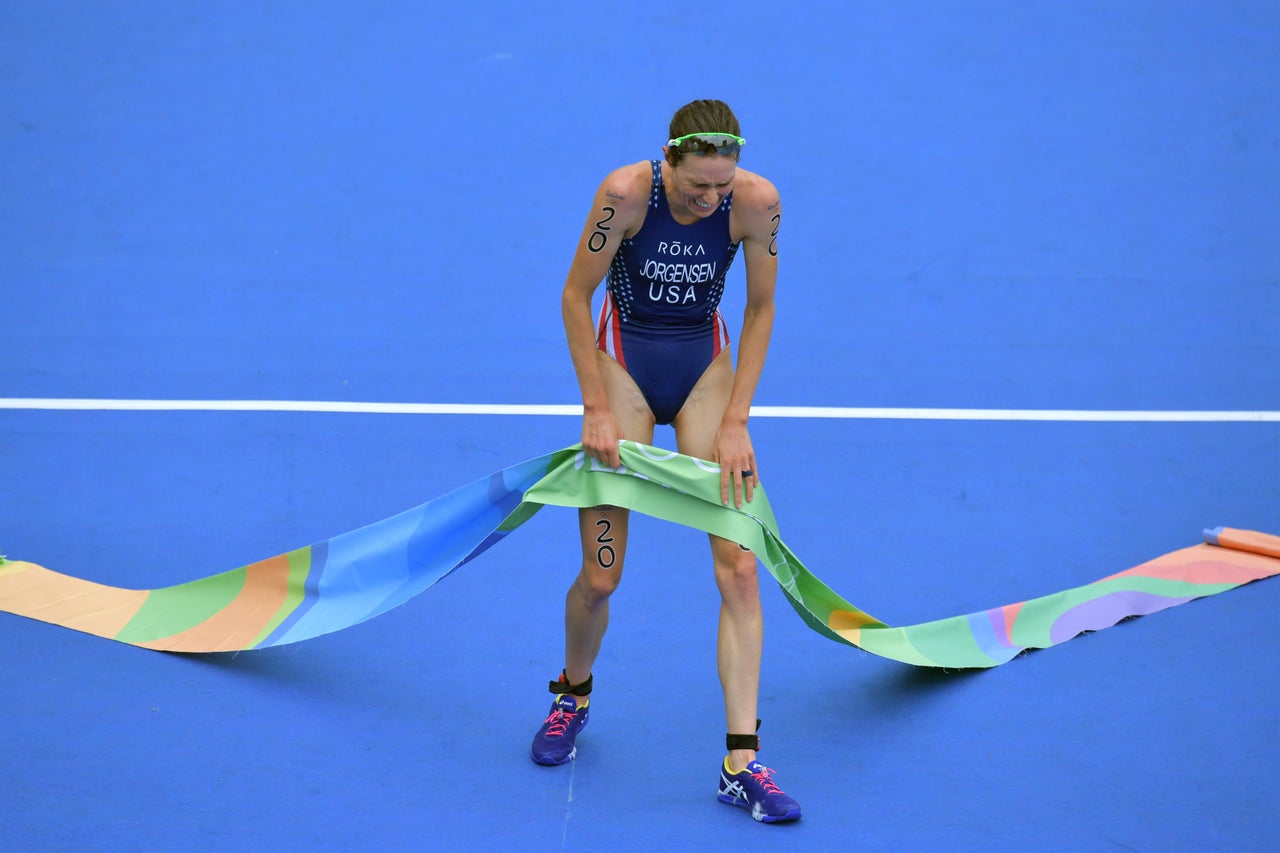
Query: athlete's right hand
x=600, y=437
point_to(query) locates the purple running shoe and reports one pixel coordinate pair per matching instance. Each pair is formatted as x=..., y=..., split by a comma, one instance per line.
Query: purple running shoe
x=754, y=789
x=554, y=742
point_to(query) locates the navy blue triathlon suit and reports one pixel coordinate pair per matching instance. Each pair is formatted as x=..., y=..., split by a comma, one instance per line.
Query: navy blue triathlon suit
x=661, y=318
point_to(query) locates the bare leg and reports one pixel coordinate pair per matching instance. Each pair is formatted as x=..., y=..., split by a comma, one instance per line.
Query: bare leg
x=741, y=630
x=604, y=538
x=586, y=610
x=739, y=641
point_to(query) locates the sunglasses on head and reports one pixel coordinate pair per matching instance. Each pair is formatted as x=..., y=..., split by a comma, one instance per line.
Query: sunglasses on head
x=724, y=144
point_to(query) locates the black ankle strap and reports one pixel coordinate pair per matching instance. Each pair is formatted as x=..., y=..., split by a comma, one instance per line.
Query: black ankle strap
x=562, y=685
x=751, y=741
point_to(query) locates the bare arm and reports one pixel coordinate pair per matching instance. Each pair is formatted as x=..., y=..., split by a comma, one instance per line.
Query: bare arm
x=617, y=209
x=760, y=254
x=760, y=215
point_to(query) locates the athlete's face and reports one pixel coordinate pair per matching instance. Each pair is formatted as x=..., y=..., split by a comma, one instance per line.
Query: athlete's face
x=702, y=181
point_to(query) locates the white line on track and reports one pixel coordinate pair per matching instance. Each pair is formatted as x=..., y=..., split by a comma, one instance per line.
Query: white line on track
x=813, y=412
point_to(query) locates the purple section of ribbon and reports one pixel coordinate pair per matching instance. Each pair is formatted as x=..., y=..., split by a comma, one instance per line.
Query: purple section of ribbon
x=988, y=632
x=1108, y=610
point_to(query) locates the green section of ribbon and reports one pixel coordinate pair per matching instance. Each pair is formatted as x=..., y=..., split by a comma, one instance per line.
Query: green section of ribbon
x=174, y=609
x=680, y=489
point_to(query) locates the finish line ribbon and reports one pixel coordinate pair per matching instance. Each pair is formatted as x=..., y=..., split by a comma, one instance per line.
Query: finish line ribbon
x=354, y=577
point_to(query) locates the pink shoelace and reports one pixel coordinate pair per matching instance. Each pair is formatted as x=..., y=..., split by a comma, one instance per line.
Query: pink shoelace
x=766, y=781
x=558, y=721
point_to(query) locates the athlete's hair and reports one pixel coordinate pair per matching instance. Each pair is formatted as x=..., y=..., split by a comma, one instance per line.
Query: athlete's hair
x=702, y=116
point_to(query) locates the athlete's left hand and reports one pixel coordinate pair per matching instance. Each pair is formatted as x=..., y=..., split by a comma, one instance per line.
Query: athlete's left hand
x=737, y=459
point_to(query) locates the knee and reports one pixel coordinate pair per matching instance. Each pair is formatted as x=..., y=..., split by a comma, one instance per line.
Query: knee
x=736, y=573
x=594, y=586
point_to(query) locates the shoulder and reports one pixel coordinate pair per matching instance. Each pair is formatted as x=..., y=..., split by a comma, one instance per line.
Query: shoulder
x=623, y=196
x=757, y=205
x=628, y=186
x=754, y=192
